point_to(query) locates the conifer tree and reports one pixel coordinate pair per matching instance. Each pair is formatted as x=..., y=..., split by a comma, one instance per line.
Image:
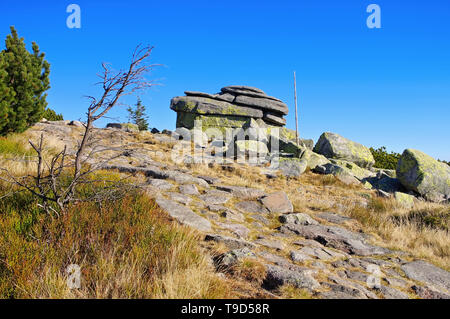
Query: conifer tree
x=137, y=115
x=5, y=94
x=27, y=78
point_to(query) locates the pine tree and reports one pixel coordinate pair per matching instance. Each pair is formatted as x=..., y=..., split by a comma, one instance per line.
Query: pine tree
x=27, y=76
x=137, y=115
x=6, y=94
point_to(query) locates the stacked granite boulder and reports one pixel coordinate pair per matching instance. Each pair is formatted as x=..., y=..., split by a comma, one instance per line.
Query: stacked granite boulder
x=231, y=108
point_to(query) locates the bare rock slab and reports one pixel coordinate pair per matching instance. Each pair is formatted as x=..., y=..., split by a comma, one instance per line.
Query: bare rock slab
x=278, y=276
x=184, y=215
x=427, y=273
x=277, y=203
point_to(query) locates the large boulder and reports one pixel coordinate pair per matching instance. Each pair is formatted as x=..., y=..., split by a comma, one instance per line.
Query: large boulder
x=205, y=105
x=332, y=145
x=424, y=175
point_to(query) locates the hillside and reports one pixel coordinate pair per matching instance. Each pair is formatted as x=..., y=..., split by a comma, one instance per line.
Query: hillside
x=168, y=228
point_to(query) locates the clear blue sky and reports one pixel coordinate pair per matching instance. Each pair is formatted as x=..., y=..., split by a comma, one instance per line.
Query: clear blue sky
x=388, y=86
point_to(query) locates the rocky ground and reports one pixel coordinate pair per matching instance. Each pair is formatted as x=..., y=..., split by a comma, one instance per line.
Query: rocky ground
x=297, y=230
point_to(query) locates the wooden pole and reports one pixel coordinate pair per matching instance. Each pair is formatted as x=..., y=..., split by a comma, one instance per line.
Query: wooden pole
x=296, y=118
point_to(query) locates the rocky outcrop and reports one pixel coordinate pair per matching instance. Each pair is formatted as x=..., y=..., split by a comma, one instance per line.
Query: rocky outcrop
x=334, y=146
x=232, y=107
x=424, y=175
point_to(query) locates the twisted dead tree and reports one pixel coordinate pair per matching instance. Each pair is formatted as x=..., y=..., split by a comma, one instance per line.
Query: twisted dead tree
x=45, y=183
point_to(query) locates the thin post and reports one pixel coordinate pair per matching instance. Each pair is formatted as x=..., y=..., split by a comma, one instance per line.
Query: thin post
x=296, y=118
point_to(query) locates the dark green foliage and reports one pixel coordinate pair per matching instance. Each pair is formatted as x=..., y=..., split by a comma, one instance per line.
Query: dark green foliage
x=51, y=115
x=23, y=81
x=137, y=116
x=383, y=159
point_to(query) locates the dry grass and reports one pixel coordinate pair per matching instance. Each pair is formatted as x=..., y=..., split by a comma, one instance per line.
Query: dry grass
x=126, y=248
x=129, y=249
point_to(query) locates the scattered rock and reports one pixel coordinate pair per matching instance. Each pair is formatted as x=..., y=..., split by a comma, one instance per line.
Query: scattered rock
x=242, y=192
x=424, y=175
x=215, y=197
x=427, y=293
x=333, y=218
x=274, y=244
x=404, y=200
x=332, y=145
x=230, y=242
x=183, y=214
x=189, y=189
x=277, y=203
x=251, y=207
x=429, y=274
x=335, y=237
x=127, y=127
x=278, y=276
x=237, y=229
x=232, y=257
x=292, y=167
x=160, y=184
x=180, y=198
x=298, y=256
x=297, y=218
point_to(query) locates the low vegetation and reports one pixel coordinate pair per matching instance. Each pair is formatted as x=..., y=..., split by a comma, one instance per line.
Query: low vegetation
x=383, y=159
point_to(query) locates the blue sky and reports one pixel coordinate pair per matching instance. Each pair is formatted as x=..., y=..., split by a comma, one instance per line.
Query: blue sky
x=381, y=87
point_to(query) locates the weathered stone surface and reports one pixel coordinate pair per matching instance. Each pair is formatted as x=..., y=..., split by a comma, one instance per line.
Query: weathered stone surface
x=183, y=214
x=429, y=274
x=232, y=257
x=180, y=198
x=215, y=197
x=338, y=291
x=313, y=159
x=205, y=105
x=336, y=237
x=230, y=242
x=427, y=293
x=217, y=122
x=237, y=229
x=160, y=184
x=127, y=127
x=320, y=253
x=251, y=148
x=242, y=192
x=343, y=175
x=210, y=180
x=424, y=175
x=251, y=207
x=277, y=203
x=392, y=293
x=252, y=92
x=244, y=88
x=404, y=200
x=189, y=189
x=274, y=119
x=333, y=218
x=292, y=167
x=278, y=276
x=274, y=244
x=262, y=103
x=335, y=146
x=297, y=218
x=298, y=256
